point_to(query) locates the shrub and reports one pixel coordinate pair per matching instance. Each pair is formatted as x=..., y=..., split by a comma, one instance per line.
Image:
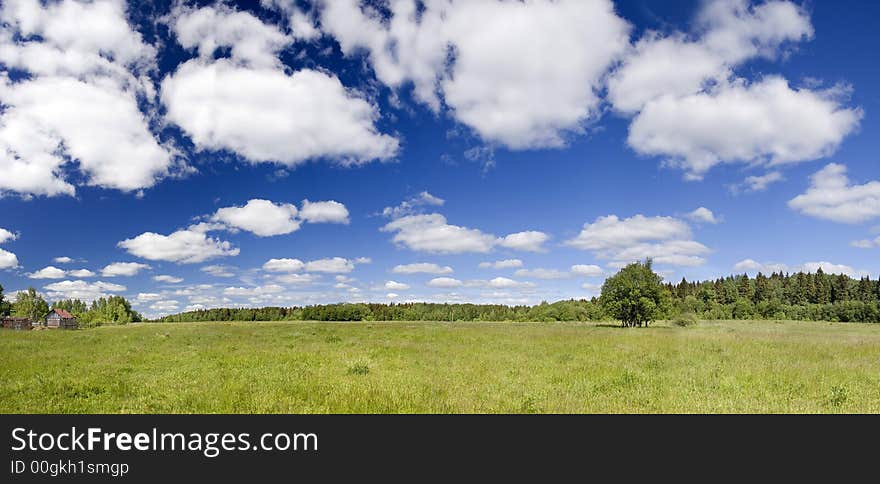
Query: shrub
x=685, y=319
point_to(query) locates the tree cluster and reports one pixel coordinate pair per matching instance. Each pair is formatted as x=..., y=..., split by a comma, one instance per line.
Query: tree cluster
x=800, y=296
x=106, y=310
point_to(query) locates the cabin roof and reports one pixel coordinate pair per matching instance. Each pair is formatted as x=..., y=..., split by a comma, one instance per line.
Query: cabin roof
x=64, y=314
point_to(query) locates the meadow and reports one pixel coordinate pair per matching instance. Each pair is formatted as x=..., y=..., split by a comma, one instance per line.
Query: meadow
x=400, y=367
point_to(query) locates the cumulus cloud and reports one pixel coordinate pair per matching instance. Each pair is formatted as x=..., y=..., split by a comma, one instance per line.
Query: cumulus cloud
x=148, y=297
x=431, y=233
x=412, y=205
x=123, y=269
x=58, y=260
x=444, y=282
x=507, y=283
x=253, y=291
x=758, y=183
x=260, y=217
x=8, y=260
x=692, y=110
x=81, y=290
x=396, y=286
x=219, y=270
x=167, y=279
x=334, y=265
x=330, y=211
x=587, y=270
x=502, y=264
x=81, y=273
x=521, y=74
x=832, y=197
x=704, y=215
x=764, y=122
x=249, y=105
x=283, y=265
x=78, y=108
x=529, y=241
x=727, y=34
x=49, y=272
x=183, y=246
x=421, y=268
x=666, y=240
x=6, y=236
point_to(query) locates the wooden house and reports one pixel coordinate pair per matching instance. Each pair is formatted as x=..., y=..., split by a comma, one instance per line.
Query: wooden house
x=10, y=322
x=59, y=318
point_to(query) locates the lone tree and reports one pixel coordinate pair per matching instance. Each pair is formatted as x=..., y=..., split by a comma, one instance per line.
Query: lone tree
x=635, y=295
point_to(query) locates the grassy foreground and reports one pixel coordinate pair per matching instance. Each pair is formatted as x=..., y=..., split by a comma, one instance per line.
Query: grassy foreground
x=735, y=366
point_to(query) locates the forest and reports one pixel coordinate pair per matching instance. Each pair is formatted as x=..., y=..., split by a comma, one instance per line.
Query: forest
x=800, y=296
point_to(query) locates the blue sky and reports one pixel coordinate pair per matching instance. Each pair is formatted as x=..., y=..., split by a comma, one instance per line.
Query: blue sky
x=566, y=138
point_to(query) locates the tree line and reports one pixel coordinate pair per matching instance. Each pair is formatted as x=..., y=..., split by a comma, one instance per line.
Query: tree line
x=635, y=296
x=105, y=310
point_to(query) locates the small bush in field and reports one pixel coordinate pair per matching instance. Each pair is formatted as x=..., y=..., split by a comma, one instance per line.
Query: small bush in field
x=359, y=369
x=684, y=320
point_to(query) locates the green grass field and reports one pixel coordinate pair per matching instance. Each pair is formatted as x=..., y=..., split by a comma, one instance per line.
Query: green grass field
x=735, y=366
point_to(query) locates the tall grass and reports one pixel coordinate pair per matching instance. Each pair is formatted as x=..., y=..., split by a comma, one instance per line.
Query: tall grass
x=443, y=367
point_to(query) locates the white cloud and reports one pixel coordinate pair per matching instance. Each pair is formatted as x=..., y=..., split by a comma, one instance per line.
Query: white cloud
x=260, y=217
x=6, y=236
x=253, y=291
x=148, y=297
x=444, y=282
x=219, y=270
x=529, y=241
x=396, y=286
x=332, y=265
x=168, y=279
x=691, y=109
x=832, y=197
x=81, y=273
x=541, y=273
x=283, y=265
x=182, y=246
x=666, y=240
x=49, y=272
x=59, y=260
x=585, y=270
x=703, y=214
x=507, y=283
x=421, y=268
x=522, y=74
x=412, y=205
x=78, y=110
x=165, y=306
x=8, y=260
x=297, y=279
x=249, y=105
x=759, y=183
x=502, y=264
x=866, y=243
x=81, y=290
x=330, y=211
x=431, y=233
x=207, y=29
x=765, y=122
x=750, y=265
x=123, y=269
x=728, y=33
